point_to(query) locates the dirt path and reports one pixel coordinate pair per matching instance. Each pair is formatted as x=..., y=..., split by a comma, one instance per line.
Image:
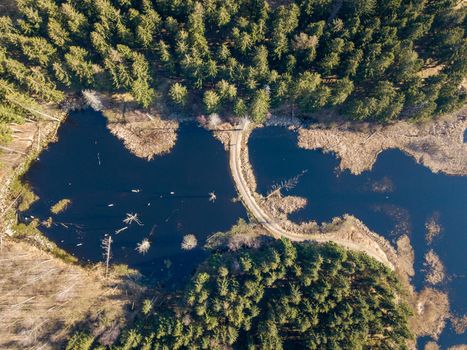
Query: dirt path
x=373, y=249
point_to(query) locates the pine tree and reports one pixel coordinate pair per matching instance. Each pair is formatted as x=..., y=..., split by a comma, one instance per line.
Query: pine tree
x=178, y=93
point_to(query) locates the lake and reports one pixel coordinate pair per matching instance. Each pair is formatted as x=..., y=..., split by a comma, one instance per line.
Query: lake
x=104, y=181
x=397, y=196
x=170, y=194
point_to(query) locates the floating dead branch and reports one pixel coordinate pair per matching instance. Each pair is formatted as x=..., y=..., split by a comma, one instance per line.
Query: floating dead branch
x=121, y=230
x=212, y=197
x=130, y=218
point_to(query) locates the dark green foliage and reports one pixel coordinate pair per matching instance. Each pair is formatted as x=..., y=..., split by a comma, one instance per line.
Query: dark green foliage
x=80, y=341
x=364, y=57
x=281, y=296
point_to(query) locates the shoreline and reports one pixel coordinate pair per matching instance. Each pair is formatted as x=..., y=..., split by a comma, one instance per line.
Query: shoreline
x=143, y=133
x=431, y=306
x=437, y=144
x=346, y=231
x=48, y=294
x=357, y=237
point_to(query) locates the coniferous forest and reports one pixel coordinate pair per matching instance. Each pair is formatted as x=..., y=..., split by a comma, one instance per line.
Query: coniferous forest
x=281, y=296
x=366, y=60
x=369, y=59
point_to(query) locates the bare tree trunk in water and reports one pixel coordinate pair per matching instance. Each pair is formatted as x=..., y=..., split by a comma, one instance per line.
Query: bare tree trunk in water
x=106, y=244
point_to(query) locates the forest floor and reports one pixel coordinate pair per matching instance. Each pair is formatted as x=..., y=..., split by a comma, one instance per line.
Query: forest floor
x=437, y=144
x=8, y=7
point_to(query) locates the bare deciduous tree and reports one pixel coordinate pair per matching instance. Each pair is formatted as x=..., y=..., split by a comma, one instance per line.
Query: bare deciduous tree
x=143, y=246
x=92, y=100
x=189, y=242
x=214, y=120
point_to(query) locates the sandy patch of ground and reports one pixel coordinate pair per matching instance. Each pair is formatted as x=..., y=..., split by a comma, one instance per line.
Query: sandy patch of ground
x=42, y=299
x=437, y=144
x=434, y=268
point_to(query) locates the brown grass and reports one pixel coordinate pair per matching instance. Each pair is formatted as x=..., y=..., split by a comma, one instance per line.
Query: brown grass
x=459, y=324
x=434, y=268
x=42, y=298
x=431, y=308
x=431, y=346
x=433, y=228
x=437, y=144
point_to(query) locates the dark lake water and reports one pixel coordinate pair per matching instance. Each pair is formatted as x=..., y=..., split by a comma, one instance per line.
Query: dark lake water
x=92, y=168
x=413, y=195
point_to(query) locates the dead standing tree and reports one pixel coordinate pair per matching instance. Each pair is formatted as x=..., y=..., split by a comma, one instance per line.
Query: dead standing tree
x=286, y=184
x=107, y=247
